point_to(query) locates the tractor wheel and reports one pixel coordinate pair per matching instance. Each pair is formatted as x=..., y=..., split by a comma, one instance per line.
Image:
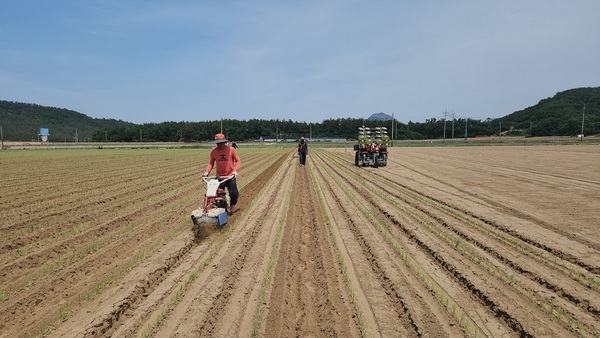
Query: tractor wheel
x=356, y=158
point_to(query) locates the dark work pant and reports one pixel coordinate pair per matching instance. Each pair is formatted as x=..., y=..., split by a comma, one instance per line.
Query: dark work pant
x=302, y=155
x=231, y=187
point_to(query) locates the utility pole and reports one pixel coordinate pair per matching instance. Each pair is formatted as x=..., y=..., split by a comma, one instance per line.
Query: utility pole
x=582, y=120
x=393, y=129
x=395, y=124
x=453, y=126
x=500, y=132
x=1, y=139
x=140, y=135
x=445, y=126
x=530, y=129
x=466, y=124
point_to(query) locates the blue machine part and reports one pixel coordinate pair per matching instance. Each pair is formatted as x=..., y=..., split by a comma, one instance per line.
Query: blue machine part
x=222, y=218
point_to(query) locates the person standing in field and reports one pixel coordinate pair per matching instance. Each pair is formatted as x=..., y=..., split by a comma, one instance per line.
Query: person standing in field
x=302, y=151
x=228, y=164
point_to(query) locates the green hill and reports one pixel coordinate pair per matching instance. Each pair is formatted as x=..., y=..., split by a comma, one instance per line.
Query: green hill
x=22, y=122
x=560, y=115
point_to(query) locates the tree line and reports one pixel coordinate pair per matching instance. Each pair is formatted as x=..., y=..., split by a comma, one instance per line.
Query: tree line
x=254, y=129
x=564, y=114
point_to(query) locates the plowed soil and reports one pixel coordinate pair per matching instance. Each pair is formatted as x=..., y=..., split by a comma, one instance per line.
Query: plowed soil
x=442, y=242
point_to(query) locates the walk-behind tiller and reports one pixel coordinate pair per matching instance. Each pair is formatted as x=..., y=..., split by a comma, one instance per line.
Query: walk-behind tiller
x=215, y=208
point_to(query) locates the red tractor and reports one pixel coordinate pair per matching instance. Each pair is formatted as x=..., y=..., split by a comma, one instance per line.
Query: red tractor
x=371, y=150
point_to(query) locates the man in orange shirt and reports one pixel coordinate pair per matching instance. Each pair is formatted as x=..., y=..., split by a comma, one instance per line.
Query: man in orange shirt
x=228, y=164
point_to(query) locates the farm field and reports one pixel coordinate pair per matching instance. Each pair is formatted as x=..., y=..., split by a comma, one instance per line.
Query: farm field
x=488, y=241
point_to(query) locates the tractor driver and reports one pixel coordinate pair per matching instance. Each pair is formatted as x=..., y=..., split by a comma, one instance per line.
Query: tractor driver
x=228, y=164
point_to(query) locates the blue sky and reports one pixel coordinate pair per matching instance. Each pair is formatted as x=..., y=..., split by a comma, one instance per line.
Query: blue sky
x=157, y=61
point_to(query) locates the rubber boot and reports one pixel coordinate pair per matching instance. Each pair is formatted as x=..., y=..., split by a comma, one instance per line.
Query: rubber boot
x=232, y=209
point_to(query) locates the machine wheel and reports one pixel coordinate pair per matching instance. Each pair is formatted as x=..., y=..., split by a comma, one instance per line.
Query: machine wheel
x=198, y=231
x=356, y=158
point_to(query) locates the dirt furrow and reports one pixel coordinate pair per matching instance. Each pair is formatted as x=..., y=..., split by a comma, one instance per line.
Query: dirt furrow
x=449, y=261
x=64, y=190
x=449, y=195
x=533, y=175
x=517, y=213
x=395, y=278
x=486, y=190
x=506, y=229
x=306, y=275
x=218, y=298
x=87, y=277
x=517, y=258
x=67, y=233
x=109, y=234
x=368, y=199
x=149, y=291
x=434, y=216
x=443, y=241
x=229, y=272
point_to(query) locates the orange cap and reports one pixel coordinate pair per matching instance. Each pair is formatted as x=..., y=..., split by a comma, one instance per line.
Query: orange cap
x=220, y=138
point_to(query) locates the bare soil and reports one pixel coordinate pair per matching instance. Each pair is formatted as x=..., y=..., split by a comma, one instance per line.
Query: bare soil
x=442, y=242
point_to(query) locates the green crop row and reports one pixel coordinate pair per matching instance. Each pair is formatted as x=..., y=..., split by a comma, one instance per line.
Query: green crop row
x=442, y=296
x=149, y=330
x=341, y=262
x=257, y=321
x=569, y=320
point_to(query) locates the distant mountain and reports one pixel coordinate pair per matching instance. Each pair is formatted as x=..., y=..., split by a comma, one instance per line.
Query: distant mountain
x=380, y=117
x=22, y=122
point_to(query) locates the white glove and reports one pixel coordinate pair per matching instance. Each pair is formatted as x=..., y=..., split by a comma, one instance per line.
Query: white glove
x=234, y=174
x=205, y=174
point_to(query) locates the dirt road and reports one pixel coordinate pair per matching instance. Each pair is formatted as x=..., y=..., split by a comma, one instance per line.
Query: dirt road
x=443, y=241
